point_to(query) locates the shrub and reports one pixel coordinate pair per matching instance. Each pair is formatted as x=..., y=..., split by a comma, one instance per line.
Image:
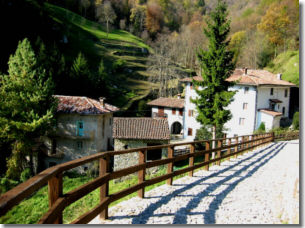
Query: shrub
x=262, y=127
x=295, y=121
x=7, y=184
x=26, y=174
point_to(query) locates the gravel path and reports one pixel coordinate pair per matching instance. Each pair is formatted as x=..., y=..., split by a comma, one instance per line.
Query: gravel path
x=260, y=187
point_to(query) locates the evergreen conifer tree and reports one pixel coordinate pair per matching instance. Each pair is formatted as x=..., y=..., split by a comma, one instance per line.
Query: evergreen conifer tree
x=216, y=66
x=27, y=106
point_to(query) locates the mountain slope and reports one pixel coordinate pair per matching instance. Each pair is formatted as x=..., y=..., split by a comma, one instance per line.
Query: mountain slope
x=286, y=63
x=91, y=39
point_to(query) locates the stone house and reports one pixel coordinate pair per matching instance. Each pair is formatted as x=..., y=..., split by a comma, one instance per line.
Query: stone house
x=260, y=96
x=83, y=127
x=135, y=133
x=172, y=109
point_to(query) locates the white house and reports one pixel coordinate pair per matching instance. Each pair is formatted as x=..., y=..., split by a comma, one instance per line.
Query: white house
x=261, y=97
x=172, y=109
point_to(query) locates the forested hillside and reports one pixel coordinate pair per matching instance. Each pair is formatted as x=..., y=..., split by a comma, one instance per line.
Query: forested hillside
x=123, y=44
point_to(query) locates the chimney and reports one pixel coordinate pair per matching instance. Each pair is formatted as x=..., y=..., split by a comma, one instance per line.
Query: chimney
x=245, y=71
x=179, y=95
x=102, y=101
x=279, y=76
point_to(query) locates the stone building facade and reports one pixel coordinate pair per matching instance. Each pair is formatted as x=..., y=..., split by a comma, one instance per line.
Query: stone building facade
x=83, y=127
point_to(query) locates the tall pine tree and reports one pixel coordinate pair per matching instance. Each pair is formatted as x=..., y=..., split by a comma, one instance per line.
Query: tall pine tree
x=27, y=106
x=216, y=66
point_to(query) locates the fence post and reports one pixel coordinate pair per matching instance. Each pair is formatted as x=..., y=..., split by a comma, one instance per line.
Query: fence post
x=191, y=161
x=170, y=166
x=242, y=145
x=55, y=191
x=236, y=147
x=207, y=155
x=141, y=173
x=104, y=190
x=272, y=137
x=229, y=149
x=219, y=145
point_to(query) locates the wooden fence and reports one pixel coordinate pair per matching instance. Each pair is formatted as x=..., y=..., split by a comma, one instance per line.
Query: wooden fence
x=225, y=148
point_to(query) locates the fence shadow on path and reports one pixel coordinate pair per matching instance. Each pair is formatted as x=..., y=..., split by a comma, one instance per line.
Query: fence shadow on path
x=180, y=217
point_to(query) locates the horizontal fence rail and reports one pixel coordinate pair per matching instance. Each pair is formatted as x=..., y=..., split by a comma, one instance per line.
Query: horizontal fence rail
x=224, y=149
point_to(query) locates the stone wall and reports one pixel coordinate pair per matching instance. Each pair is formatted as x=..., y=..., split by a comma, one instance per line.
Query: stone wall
x=131, y=159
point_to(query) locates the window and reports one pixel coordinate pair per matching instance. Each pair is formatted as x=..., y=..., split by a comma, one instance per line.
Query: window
x=241, y=121
x=272, y=106
x=246, y=90
x=286, y=92
x=283, y=110
x=180, y=112
x=80, y=128
x=125, y=147
x=271, y=91
x=190, y=132
x=245, y=106
x=54, y=145
x=79, y=144
x=174, y=111
x=191, y=112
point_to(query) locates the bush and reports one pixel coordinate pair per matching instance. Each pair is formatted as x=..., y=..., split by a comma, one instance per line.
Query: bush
x=262, y=127
x=25, y=175
x=295, y=121
x=7, y=184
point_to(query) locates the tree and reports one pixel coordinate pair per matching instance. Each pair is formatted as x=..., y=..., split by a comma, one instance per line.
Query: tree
x=27, y=106
x=237, y=42
x=85, y=5
x=275, y=24
x=80, y=75
x=216, y=66
x=137, y=17
x=154, y=18
x=105, y=13
x=162, y=69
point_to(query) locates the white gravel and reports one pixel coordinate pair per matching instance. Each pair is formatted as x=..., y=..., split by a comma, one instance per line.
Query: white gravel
x=259, y=187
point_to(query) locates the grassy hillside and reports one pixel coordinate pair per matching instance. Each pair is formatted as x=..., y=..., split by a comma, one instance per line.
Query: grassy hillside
x=286, y=63
x=91, y=39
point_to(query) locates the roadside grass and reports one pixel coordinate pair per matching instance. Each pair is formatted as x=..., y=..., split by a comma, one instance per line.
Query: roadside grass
x=32, y=209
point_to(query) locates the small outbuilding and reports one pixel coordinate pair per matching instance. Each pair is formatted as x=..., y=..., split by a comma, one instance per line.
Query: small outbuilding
x=139, y=132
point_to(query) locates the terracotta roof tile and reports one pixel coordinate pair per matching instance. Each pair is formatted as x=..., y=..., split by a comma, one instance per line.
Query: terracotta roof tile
x=270, y=112
x=167, y=102
x=82, y=105
x=253, y=77
x=141, y=128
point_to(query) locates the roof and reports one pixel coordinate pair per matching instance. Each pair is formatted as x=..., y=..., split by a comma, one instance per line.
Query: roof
x=167, y=102
x=82, y=105
x=270, y=112
x=276, y=100
x=140, y=128
x=253, y=77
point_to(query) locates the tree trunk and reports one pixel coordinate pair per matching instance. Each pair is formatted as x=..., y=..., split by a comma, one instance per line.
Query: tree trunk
x=107, y=29
x=214, y=142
